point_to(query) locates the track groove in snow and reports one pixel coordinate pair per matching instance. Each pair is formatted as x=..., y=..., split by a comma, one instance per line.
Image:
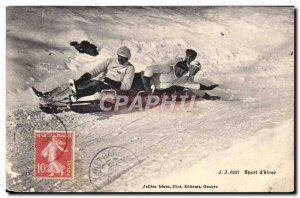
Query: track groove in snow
x=255, y=72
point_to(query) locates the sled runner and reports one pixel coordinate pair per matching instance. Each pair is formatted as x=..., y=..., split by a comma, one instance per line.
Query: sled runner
x=87, y=104
x=111, y=99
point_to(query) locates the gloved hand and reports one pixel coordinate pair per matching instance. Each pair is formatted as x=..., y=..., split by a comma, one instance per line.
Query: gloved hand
x=194, y=69
x=211, y=87
x=85, y=77
x=113, y=83
x=209, y=97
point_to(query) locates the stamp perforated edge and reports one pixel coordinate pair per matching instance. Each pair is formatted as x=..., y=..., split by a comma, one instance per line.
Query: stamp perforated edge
x=73, y=156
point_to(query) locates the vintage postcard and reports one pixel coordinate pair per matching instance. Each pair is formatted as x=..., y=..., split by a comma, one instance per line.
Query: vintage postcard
x=150, y=99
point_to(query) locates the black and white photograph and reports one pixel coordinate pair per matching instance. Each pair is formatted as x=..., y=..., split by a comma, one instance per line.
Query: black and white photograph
x=144, y=99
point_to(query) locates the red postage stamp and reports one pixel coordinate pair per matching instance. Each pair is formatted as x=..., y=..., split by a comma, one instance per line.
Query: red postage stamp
x=54, y=157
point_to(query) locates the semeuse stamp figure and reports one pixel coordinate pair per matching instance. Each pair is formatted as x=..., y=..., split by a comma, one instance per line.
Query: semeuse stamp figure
x=54, y=155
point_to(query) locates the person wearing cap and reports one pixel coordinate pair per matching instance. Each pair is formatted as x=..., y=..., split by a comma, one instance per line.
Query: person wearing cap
x=118, y=74
x=175, y=73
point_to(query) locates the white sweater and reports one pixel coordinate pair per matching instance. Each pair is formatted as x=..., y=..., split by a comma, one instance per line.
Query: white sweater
x=115, y=71
x=163, y=75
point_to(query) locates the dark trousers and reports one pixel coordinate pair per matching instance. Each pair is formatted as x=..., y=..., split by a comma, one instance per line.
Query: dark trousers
x=137, y=85
x=90, y=87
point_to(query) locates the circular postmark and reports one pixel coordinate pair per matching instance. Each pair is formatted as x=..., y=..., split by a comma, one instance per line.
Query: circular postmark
x=26, y=122
x=109, y=164
x=53, y=150
x=40, y=141
x=58, y=126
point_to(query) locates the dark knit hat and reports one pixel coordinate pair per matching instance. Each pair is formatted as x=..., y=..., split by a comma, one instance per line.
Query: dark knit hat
x=182, y=65
x=192, y=53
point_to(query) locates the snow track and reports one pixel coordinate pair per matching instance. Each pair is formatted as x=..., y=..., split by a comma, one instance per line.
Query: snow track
x=259, y=90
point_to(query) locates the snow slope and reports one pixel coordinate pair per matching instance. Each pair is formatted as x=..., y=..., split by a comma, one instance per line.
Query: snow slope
x=248, y=51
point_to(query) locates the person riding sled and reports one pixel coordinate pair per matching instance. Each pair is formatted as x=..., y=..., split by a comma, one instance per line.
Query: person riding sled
x=175, y=76
x=118, y=74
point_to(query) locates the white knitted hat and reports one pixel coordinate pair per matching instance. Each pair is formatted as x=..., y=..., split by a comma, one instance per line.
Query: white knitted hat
x=124, y=51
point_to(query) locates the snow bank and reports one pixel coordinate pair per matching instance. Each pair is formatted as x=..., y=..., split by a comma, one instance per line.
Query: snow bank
x=248, y=51
x=228, y=40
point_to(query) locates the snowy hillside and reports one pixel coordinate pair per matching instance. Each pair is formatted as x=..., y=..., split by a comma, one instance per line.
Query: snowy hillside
x=248, y=51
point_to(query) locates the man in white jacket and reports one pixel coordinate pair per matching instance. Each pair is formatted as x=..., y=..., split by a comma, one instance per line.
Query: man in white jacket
x=118, y=74
x=175, y=73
